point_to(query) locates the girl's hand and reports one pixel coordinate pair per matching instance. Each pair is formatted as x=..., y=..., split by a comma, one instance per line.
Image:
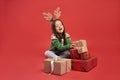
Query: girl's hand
x=72, y=45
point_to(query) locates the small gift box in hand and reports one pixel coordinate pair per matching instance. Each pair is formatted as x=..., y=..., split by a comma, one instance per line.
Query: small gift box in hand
x=81, y=46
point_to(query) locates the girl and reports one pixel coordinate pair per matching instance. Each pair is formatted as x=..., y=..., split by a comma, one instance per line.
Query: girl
x=60, y=40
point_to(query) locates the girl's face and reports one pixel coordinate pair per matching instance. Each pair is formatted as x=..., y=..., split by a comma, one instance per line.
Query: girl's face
x=59, y=27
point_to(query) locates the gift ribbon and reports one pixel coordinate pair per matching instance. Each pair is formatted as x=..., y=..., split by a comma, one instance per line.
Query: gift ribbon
x=52, y=66
x=66, y=66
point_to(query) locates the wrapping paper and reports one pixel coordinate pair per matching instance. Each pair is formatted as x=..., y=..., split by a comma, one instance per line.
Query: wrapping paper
x=89, y=64
x=74, y=54
x=81, y=46
x=58, y=67
x=76, y=64
x=84, y=65
x=85, y=56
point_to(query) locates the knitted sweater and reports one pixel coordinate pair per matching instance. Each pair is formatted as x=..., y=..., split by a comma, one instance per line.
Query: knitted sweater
x=58, y=46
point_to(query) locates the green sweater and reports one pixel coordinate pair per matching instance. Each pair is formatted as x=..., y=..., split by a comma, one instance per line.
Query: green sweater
x=57, y=46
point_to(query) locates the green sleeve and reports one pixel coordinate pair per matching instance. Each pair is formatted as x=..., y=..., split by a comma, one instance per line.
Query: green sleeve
x=69, y=41
x=61, y=47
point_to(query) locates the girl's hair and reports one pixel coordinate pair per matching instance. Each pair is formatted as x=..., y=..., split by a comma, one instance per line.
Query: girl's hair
x=56, y=33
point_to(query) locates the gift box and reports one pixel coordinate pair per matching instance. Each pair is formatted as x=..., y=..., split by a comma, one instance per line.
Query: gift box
x=84, y=56
x=74, y=54
x=84, y=65
x=76, y=64
x=58, y=67
x=87, y=65
x=80, y=43
x=81, y=46
x=82, y=49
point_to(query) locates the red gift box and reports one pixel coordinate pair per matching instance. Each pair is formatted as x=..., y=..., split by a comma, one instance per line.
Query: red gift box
x=84, y=56
x=74, y=54
x=76, y=64
x=84, y=65
x=87, y=65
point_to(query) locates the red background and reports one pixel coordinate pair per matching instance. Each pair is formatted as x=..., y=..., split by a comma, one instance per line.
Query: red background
x=25, y=35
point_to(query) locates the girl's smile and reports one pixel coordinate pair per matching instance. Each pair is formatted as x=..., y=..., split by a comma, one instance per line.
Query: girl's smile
x=59, y=27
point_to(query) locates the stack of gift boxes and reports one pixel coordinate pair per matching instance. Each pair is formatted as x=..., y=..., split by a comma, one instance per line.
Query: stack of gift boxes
x=81, y=60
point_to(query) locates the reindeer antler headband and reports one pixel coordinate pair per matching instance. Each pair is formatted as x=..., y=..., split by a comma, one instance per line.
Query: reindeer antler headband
x=49, y=16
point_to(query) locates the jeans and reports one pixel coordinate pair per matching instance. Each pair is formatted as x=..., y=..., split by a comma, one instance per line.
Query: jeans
x=51, y=54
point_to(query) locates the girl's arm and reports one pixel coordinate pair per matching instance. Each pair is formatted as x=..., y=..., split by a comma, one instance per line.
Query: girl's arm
x=61, y=47
x=69, y=41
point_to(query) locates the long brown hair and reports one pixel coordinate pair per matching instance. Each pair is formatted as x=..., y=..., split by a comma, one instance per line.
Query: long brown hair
x=56, y=33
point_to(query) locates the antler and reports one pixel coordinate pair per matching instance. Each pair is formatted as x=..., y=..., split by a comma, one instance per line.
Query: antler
x=47, y=16
x=57, y=13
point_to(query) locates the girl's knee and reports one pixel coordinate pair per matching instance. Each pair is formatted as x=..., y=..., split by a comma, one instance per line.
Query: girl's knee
x=46, y=52
x=50, y=54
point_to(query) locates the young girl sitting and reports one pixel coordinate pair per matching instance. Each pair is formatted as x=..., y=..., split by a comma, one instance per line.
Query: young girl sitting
x=60, y=40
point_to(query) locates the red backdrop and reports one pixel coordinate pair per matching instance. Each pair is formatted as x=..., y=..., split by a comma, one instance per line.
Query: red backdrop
x=25, y=35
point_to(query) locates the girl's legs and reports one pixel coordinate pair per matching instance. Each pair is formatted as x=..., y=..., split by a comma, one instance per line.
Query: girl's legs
x=50, y=54
x=65, y=54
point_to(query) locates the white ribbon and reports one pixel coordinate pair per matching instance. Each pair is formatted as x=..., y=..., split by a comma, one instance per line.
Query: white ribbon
x=52, y=66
